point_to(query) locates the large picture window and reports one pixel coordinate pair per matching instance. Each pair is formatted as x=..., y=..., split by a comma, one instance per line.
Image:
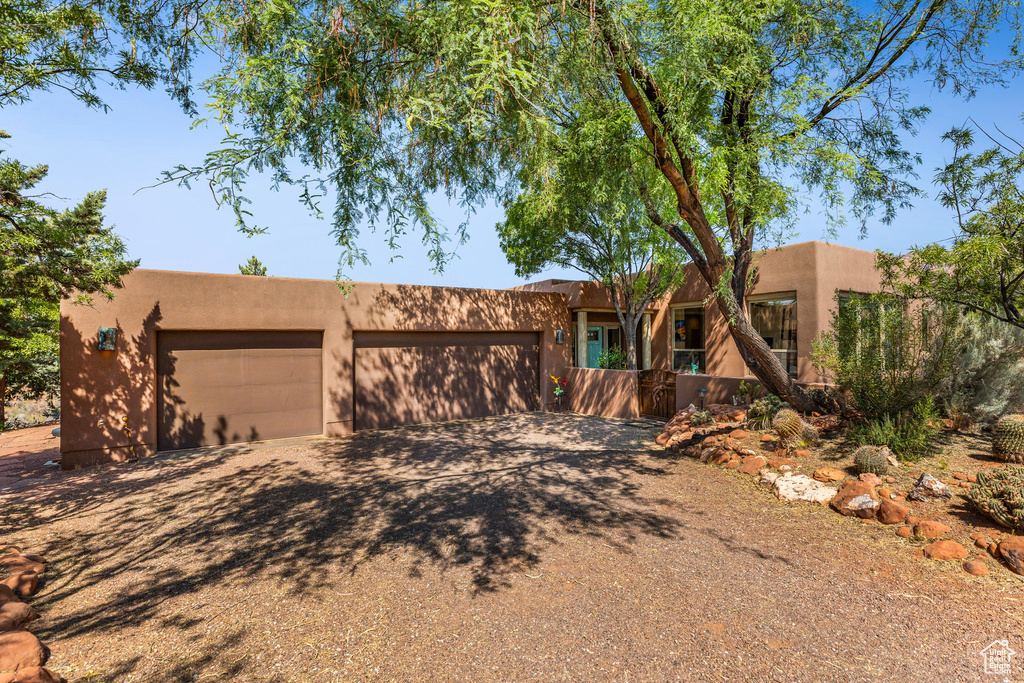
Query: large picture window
x=688, y=352
x=774, y=319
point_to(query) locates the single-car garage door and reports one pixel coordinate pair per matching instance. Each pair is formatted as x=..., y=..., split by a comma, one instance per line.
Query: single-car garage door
x=230, y=387
x=413, y=377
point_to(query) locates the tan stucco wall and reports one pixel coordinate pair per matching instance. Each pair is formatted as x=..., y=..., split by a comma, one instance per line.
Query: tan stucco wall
x=98, y=388
x=609, y=393
x=811, y=270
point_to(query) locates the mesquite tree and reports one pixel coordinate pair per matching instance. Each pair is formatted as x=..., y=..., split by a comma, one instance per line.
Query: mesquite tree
x=744, y=110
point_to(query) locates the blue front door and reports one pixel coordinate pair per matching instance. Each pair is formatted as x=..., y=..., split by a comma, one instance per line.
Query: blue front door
x=594, y=346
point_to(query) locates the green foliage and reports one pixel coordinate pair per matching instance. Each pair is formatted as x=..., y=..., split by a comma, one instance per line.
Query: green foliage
x=29, y=352
x=791, y=96
x=253, y=267
x=613, y=358
x=702, y=418
x=999, y=494
x=788, y=424
x=908, y=436
x=749, y=112
x=983, y=269
x=763, y=411
x=871, y=459
x=46, y=255
x=888, y=355
x=1008, y=441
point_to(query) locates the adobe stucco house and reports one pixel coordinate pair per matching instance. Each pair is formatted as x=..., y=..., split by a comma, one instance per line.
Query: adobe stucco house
x=210, y=359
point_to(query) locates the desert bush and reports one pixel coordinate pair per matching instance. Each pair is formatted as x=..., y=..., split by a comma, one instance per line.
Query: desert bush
x=888, y=356
x=986, y=379
x=907, y=435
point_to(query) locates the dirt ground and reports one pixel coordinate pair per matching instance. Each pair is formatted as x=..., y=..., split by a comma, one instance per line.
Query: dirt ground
x=522, y=548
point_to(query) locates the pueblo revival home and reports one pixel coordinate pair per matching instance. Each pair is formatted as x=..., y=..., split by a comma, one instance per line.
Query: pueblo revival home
x=179, y=360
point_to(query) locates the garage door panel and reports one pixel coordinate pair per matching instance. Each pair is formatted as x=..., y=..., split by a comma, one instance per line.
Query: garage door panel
x=432, y=383
x=222, y=387
x=242, y=400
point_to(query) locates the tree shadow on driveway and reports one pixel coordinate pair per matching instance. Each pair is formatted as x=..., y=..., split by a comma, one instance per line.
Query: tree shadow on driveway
x=483, y=498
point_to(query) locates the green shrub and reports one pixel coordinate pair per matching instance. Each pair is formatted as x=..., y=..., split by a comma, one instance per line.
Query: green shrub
x=763, y=411
x=908, y=436
x=702, y=418
x=612, y=358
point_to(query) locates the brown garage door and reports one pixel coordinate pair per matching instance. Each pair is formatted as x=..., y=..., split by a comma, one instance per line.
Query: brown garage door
x=230, y=387
x=413, y=377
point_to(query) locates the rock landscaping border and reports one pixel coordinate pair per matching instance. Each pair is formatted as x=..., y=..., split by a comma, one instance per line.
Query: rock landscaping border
x=22, y=655
x=871, y=498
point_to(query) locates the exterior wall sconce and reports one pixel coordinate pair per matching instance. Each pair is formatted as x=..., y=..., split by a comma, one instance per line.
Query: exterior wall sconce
x=107, y=339
x=702, y=392
x=559, y=336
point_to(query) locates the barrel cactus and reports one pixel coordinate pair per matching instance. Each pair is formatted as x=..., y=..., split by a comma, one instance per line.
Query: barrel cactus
x=808, y=435
x=788, y=424
x=999, y=494
x=871, y=459
x=1008, y=443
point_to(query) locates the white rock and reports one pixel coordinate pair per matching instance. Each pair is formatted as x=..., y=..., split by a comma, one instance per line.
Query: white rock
x=768, y=478
x=800, y=487
x=862, y=502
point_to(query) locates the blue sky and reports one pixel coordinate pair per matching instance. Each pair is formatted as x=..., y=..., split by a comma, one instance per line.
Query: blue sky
x=173, y=228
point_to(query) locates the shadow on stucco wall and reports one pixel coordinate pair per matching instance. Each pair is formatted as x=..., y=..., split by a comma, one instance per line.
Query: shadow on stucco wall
x=112, y=394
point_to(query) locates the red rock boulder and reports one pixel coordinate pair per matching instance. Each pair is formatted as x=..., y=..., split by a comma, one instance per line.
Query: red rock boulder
x=856, y=498
x=17, y=564
x=31, y=674
x=14, y=615
x=23, y=584
x=945, y=550
x=20, y=649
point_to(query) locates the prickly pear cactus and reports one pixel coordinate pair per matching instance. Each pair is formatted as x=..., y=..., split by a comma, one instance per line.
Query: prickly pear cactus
x=1000, y=495
x=870, y=459
x=788, y=424
x=1008, y=442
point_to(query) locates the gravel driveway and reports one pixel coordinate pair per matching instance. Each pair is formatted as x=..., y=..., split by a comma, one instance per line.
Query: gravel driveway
x=522, y=548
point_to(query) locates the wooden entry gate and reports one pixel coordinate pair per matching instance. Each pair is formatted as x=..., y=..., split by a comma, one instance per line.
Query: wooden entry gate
x=657, y=393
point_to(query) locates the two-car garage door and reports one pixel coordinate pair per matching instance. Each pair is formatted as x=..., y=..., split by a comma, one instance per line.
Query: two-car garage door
x=226, y=387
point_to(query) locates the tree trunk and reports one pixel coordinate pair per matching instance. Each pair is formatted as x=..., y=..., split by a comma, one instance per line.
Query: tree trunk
x=629, y=324
x=758, y=356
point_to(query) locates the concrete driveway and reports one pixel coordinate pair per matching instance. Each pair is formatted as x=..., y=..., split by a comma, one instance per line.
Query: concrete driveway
x=523, y=548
